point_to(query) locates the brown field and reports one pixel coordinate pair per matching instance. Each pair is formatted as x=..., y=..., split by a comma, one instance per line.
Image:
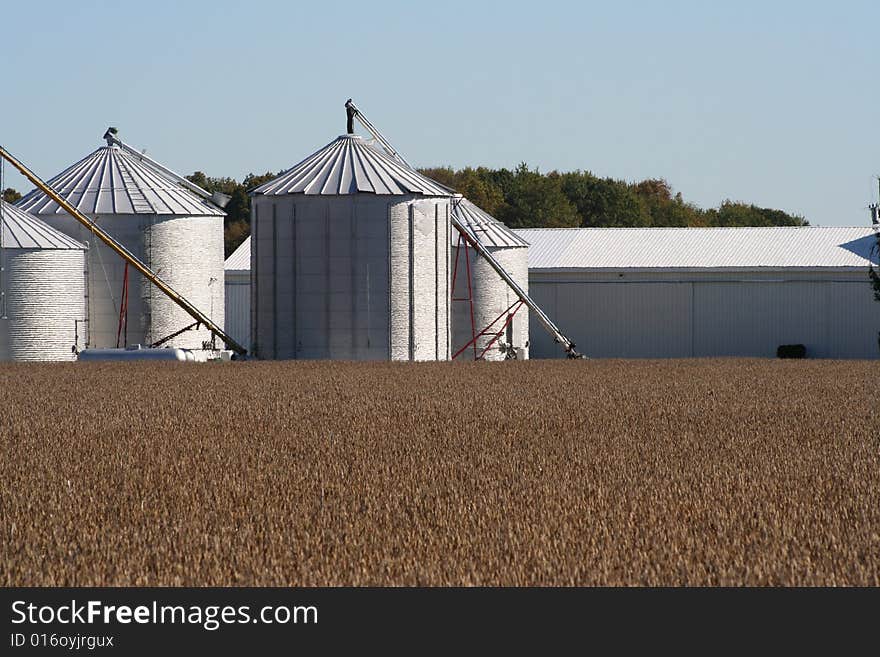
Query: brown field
x=591, y=472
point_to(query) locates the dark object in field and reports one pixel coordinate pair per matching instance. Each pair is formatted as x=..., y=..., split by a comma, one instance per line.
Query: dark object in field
x=791, y=351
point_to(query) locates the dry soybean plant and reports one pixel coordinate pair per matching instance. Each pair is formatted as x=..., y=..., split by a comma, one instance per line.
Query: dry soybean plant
x=696, y=472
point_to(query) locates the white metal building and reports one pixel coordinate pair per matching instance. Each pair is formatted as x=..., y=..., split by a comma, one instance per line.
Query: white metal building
x=176, y=233
x=681, y=292
x=42, y=290
x=490, y=294
x=238, y=294
x=349, y=255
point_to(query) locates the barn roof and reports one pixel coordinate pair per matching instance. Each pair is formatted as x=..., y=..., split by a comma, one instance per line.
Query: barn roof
x=806, y=247
x=240, y=259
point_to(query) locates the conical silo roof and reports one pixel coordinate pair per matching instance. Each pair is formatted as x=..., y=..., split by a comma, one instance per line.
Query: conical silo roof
x=20, y=230
x=483, y=227
x=349, y=165
x=113, y=181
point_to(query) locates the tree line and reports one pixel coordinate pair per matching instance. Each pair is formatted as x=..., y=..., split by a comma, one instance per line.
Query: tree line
x=526, y=198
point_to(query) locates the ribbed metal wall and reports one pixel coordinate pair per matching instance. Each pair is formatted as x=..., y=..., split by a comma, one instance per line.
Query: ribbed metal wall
x=43, y=297
x=419, y=254
x=166, y=225
x=186, y=252
x=491, y=297
x=742, y=315
x=237, y=306
x=105, y=276
x=350, y=277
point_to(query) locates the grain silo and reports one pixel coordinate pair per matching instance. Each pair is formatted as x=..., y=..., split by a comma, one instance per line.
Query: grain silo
x=42, y=290
x=350, y=259
x=159, y=219
x=490, y=297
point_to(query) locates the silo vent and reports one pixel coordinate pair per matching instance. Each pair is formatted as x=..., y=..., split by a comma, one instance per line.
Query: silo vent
x=110, y=135
x=350, y=112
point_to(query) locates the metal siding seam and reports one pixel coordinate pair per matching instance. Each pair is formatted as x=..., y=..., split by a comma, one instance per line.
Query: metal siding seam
x=255, y=271
x=693, y=319
x=3, y=276
x=448, y=291
x=556, y=289
x=87, y=327
x=294, y=280
x=826, y=317
x=352, y=284
x=274, y=286
x=147, y=230
x=436, y=283
x=388, y=280
x=411, y=273
x=328, y=285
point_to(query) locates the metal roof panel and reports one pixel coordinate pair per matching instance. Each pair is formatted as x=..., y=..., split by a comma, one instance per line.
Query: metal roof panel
x=240, y=259
x=700, y=248
x=350, y=165
x=483, y=227
x=20, y=230
x=111, y=181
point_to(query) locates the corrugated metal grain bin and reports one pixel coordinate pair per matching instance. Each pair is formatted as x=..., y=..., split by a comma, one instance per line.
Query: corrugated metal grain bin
x=175, y=232
x=42, y=290
x=350, y=259
x=491, y=295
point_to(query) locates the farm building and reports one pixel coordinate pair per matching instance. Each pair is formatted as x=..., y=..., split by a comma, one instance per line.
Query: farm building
x=491, y=296
x=158, y=217
x=682, y=292
x=238, y=294
x=42, y=290
x=350, y=253
x=483, y=299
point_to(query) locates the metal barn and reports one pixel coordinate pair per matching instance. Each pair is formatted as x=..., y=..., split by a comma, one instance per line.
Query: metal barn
x=682, y=292
x=238, y=293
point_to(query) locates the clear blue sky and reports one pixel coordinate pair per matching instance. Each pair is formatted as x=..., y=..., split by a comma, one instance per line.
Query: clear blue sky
x=775, y=103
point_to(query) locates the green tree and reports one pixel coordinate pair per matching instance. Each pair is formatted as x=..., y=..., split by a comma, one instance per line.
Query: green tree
x=604, y=202
x=480, y=190
x=444, y=175
x=10, y=195
x=526, y=198
x=665, y=208
x=234, y=234
x=474, y=184
x=742, y=214
x=535, y=200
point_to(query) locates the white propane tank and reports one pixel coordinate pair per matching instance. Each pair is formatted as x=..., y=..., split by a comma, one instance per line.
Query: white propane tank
x=137, y=352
